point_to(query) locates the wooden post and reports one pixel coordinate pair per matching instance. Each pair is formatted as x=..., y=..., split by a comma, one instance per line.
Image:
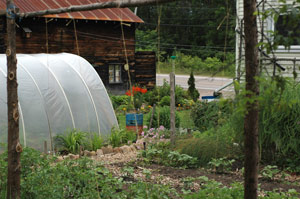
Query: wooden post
x=13, y=145
x=45, y=147
x=172, y=107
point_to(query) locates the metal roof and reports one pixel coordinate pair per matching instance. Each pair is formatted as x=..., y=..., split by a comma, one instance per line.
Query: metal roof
x=109, y=14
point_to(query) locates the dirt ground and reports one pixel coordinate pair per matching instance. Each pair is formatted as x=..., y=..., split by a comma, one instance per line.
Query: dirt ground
x=174, y=176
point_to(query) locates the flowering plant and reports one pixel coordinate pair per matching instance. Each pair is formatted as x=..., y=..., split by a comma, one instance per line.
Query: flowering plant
x=136, y=95
x=154, y=135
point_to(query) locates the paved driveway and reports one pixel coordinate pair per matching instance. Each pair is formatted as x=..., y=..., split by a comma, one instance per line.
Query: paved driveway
x=205, y=85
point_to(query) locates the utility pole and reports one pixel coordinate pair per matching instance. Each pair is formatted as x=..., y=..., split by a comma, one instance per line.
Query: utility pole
x=13, y=145
x=252, y=106
x=172, y=101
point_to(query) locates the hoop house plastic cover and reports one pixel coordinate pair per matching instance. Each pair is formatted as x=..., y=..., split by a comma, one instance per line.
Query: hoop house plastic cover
x=56, y=92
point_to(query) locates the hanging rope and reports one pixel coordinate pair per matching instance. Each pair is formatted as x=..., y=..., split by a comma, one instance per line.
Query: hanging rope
x=76, y=39
x=159, y=11
x=47, y=51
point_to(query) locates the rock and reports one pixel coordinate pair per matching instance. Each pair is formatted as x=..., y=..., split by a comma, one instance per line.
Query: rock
x=107, y=150
x=93, y=153
x=125, y=149
x=132, y=147
x=99, y=152
x=72, y=156
x=86, y=153
x=66, y=157
x=59, y=159
x=117, y=150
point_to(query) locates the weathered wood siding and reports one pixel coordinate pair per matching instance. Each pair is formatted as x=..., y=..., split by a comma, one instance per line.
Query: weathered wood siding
x=280, y=53
x=145, y=69
x=100, y=42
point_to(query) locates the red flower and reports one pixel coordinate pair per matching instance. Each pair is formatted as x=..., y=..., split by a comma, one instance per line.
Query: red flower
x=128, y=93
x=143, y=90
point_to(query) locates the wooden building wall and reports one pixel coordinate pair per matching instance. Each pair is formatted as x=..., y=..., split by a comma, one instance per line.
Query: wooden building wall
x=145, y=69
x=100, y=42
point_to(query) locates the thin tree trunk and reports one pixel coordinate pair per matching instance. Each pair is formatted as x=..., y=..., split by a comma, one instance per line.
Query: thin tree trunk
x=14, y=147
x=252, y=88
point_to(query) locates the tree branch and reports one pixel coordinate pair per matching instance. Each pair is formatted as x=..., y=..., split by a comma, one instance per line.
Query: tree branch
x=111, y=4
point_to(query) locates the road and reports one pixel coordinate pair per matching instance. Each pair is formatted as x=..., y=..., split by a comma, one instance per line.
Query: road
x=205, y=85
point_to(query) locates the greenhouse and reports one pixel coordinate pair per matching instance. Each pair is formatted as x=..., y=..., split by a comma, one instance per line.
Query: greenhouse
x=56, y=92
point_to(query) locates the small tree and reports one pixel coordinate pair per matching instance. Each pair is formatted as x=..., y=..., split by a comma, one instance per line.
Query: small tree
x=193, y=92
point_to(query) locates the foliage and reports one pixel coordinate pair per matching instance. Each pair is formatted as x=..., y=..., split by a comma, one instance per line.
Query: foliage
x=164, y=118
x=118, y=100
x=221, y=165
x=269, y=172
x=210, y=65
x=158, y=93
x=278, y=120
x=165, y=156
x=215, y=190
x=186, y=34
x=214, y=143
x=93, y=142
x=165, y=101
x=70, y=141
x=119, y=137
x=208, y=115
x=193, y=92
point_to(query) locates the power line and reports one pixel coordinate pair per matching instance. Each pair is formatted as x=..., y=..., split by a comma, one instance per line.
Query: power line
x=115, y=39
x=181, y=25
x=153, y=43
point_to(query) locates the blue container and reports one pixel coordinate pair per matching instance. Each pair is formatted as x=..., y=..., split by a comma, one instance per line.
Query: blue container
x=131, y=117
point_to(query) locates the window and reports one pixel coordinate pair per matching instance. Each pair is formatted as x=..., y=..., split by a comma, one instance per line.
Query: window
x=286, y=32
x=114, y=73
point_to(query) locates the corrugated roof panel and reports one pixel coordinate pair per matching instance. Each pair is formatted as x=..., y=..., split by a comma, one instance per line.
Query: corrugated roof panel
x=113, y=14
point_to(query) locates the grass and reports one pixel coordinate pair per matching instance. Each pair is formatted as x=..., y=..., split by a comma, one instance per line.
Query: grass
x=187, y=71
x=185, y=120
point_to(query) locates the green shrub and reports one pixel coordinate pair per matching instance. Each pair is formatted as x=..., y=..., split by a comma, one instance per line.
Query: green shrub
x=208, y=115
x=192, y=91
x=279, y=114
x=70, y=141
x=93, y=142
x=118, y=100
x=214, y=143
x=122, y=136
x=165, y=101
x=164, y=118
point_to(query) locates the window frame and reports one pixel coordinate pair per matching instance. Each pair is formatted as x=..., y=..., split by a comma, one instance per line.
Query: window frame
x=281, y=48
x=115, y=65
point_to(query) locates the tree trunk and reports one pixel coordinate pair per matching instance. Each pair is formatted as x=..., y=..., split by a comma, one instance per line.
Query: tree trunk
x=14, y=147
x=252, y=88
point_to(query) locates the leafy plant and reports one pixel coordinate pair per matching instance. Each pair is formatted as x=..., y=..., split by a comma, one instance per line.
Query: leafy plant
x=164, y=118
x=93, y=142
x=269, y=172
x=221, y=165
x=70, y=141
x=121, y=136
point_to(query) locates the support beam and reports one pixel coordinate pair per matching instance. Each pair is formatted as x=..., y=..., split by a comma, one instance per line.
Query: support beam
x=94, y=6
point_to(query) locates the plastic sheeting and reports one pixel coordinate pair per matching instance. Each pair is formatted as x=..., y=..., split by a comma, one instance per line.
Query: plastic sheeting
x=56, y=92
